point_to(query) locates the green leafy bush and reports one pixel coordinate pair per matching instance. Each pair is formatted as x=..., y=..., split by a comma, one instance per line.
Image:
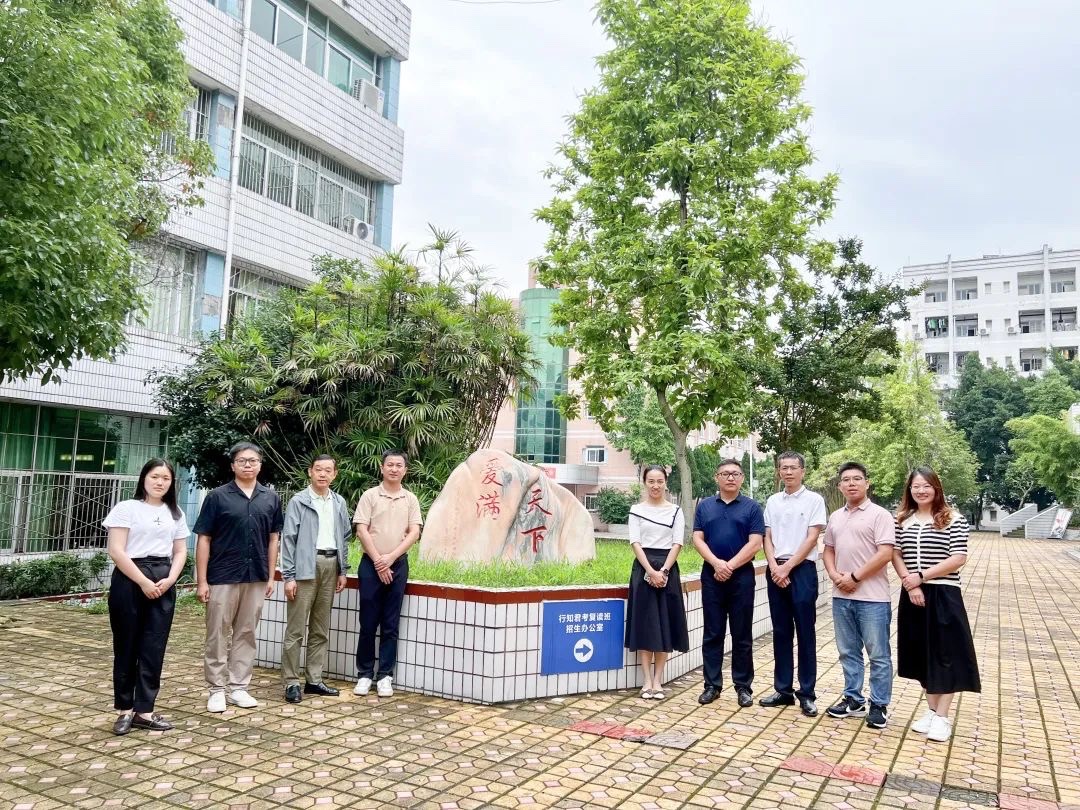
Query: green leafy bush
x=614, y=505
x=49, y=576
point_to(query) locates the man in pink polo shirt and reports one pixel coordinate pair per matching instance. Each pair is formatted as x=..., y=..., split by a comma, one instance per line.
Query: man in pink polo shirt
x=859, y=542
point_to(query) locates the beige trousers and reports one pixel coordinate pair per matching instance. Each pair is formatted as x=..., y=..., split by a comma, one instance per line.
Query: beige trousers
x=311, y=609
x=231, y=617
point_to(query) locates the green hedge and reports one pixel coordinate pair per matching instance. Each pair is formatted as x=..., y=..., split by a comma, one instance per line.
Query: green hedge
x=50, y=576
x=613, y=505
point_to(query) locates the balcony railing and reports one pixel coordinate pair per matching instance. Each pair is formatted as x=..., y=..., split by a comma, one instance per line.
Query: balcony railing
x=1064, y=326
x=1028, y=328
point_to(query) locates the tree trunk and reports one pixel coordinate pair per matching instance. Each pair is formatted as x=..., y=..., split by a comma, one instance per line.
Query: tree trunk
x=686, y=480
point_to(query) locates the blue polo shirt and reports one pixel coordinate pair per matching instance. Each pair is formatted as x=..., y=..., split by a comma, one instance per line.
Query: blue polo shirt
x=727, y=526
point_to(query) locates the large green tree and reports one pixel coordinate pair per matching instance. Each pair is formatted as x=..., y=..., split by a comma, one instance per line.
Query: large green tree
x=683, y=213
x=640, y=429
x=367, y=359
x=832, y=348
x=1049, y=447
x=89, y=91
x=909, y=432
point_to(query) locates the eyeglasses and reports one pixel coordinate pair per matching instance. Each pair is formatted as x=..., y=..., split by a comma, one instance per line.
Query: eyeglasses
x=247, y=462
x=729, y=474
x=854, y=480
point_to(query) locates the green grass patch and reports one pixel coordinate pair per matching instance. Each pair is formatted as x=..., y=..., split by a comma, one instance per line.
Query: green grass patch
x=188, y=603
x=614, y=559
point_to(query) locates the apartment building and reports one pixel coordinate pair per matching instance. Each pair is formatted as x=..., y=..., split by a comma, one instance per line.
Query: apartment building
x=1012, y=311
x=298, y=100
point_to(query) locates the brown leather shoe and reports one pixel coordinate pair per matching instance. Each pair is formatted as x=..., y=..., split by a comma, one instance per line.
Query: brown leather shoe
x=122, y=725
x=155, y=723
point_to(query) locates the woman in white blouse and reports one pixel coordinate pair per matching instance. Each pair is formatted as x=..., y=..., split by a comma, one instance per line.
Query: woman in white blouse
x=933, y=637
x=655, y=613
x=148, y=543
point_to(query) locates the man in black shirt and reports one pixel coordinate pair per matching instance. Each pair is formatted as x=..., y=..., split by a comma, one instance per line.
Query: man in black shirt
x=238, y=530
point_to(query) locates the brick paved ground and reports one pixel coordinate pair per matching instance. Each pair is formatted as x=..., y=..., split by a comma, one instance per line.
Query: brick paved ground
x=1016, y=745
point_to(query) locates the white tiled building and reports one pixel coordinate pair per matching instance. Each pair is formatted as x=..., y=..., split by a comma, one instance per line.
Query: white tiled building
x=1011, y=310
x=298, y=100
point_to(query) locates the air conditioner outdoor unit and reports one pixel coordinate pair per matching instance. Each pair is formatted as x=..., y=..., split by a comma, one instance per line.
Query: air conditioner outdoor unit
x=369, y=95
x=1011, y=330
x=984, y=332
x=360, y=229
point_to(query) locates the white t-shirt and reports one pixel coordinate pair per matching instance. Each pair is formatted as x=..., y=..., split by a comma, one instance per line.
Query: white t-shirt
x=789, y=516
x=151, y=529
x=657, y=527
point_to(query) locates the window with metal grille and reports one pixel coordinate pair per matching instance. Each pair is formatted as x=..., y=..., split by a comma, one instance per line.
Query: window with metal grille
x=298, y=176
x=172, y=281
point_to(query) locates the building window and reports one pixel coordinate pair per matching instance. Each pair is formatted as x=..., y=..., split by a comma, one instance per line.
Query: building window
x=965, y=289
x=248, y=290
x=1031, y=360
x=1006, y=286
x=938, y=362
x=595, y=455
x=276, y=164
x=172, y=281
x=592, y=502
x=966, y=325
x=936, y=293
x=1068, y=352
x=986, y=288
x=1029, y=284
x=1063, y=281
x=310, y=38
x=230, y=7
x=196, y=118
x=937, y=327
x=989, y=324
x=993, y=514
x=1009, y=362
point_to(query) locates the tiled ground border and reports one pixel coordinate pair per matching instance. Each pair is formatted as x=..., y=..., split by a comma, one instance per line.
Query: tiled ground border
x=482, y=645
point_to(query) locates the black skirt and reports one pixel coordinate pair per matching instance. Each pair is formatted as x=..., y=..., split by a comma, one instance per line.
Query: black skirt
x=933, y=643
x=656, y=617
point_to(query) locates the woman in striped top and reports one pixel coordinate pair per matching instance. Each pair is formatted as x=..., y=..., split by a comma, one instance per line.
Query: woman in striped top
x=933, y=638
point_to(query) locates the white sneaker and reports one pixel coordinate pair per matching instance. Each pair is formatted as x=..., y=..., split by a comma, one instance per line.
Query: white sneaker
x=363, y=686
x=922, y=725
x=385, y=687
x=242, y=699
x=216, y=703
x=940, y=729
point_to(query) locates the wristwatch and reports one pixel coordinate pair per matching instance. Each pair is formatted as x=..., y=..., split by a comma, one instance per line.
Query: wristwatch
x=665, y=571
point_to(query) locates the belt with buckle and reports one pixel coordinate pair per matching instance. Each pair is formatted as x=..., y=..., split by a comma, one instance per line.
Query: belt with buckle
x=326, y=552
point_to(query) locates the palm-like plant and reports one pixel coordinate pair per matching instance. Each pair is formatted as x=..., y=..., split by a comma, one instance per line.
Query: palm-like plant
x=369, y=358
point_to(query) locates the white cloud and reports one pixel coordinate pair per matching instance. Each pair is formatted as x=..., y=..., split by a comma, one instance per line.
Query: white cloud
x=950, y=123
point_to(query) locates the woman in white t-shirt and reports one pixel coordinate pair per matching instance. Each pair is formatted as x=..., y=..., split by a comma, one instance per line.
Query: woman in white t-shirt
x=148, y=543
x=655, y=613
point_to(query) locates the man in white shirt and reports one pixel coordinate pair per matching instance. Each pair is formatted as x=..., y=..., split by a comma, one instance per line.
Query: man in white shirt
x=794, y=518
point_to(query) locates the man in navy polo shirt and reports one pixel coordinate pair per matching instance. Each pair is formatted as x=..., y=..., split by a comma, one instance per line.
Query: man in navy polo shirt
x=728, y=531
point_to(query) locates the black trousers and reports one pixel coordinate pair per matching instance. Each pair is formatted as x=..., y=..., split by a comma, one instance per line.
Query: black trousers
x=140, y=629
x=727, y=604
x=794, y=615
x=380, y=610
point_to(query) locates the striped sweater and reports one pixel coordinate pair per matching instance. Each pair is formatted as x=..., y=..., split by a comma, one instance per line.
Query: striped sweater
x=921, y=545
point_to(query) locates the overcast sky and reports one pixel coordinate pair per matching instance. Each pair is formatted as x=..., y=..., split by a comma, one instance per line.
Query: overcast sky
x=953, y=124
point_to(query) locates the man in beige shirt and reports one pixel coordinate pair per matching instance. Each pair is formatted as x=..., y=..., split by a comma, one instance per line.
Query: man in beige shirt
x=387, y=521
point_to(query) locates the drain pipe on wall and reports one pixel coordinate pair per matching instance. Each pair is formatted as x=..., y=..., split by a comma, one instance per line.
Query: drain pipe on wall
x=234, y=166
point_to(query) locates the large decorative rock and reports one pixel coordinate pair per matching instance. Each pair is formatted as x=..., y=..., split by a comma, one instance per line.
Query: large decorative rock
x=494, y=507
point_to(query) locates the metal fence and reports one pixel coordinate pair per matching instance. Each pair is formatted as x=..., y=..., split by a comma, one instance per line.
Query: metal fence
x=44, y=512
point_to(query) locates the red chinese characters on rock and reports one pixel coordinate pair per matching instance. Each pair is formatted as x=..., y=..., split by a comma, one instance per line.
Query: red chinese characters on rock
x=487, y=505
x=536, y=533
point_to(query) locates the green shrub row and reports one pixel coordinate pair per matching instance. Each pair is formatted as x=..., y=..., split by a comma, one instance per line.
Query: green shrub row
x=50, y=576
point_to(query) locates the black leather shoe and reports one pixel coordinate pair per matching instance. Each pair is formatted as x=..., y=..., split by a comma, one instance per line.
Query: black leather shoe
x=320, y=689
x=776, y=700
x=292, y=693
x=122, y=725
x=154, y=723
x=745, y=698
x=808, y=707
x=709, y=694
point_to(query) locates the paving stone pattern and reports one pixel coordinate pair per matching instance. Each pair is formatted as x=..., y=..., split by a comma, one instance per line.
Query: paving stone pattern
x=1016, y=745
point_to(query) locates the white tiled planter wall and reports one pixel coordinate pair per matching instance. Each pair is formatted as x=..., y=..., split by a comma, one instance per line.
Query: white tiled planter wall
x=453, y=645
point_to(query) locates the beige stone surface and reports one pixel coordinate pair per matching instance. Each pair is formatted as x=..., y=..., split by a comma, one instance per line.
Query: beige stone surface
x=495, y=507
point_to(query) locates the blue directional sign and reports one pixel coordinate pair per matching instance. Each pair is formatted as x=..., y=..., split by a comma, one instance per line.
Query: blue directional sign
x=582, y=636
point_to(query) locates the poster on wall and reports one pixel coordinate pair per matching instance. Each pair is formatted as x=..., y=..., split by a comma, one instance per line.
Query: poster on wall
x=1061, y=523
x=582, y=636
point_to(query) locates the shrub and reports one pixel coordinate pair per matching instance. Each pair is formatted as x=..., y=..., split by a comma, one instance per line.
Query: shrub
x=49, y=576
x=613, y=505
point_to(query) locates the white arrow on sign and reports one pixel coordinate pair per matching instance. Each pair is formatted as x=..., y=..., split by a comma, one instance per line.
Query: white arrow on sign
x=583, y=650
